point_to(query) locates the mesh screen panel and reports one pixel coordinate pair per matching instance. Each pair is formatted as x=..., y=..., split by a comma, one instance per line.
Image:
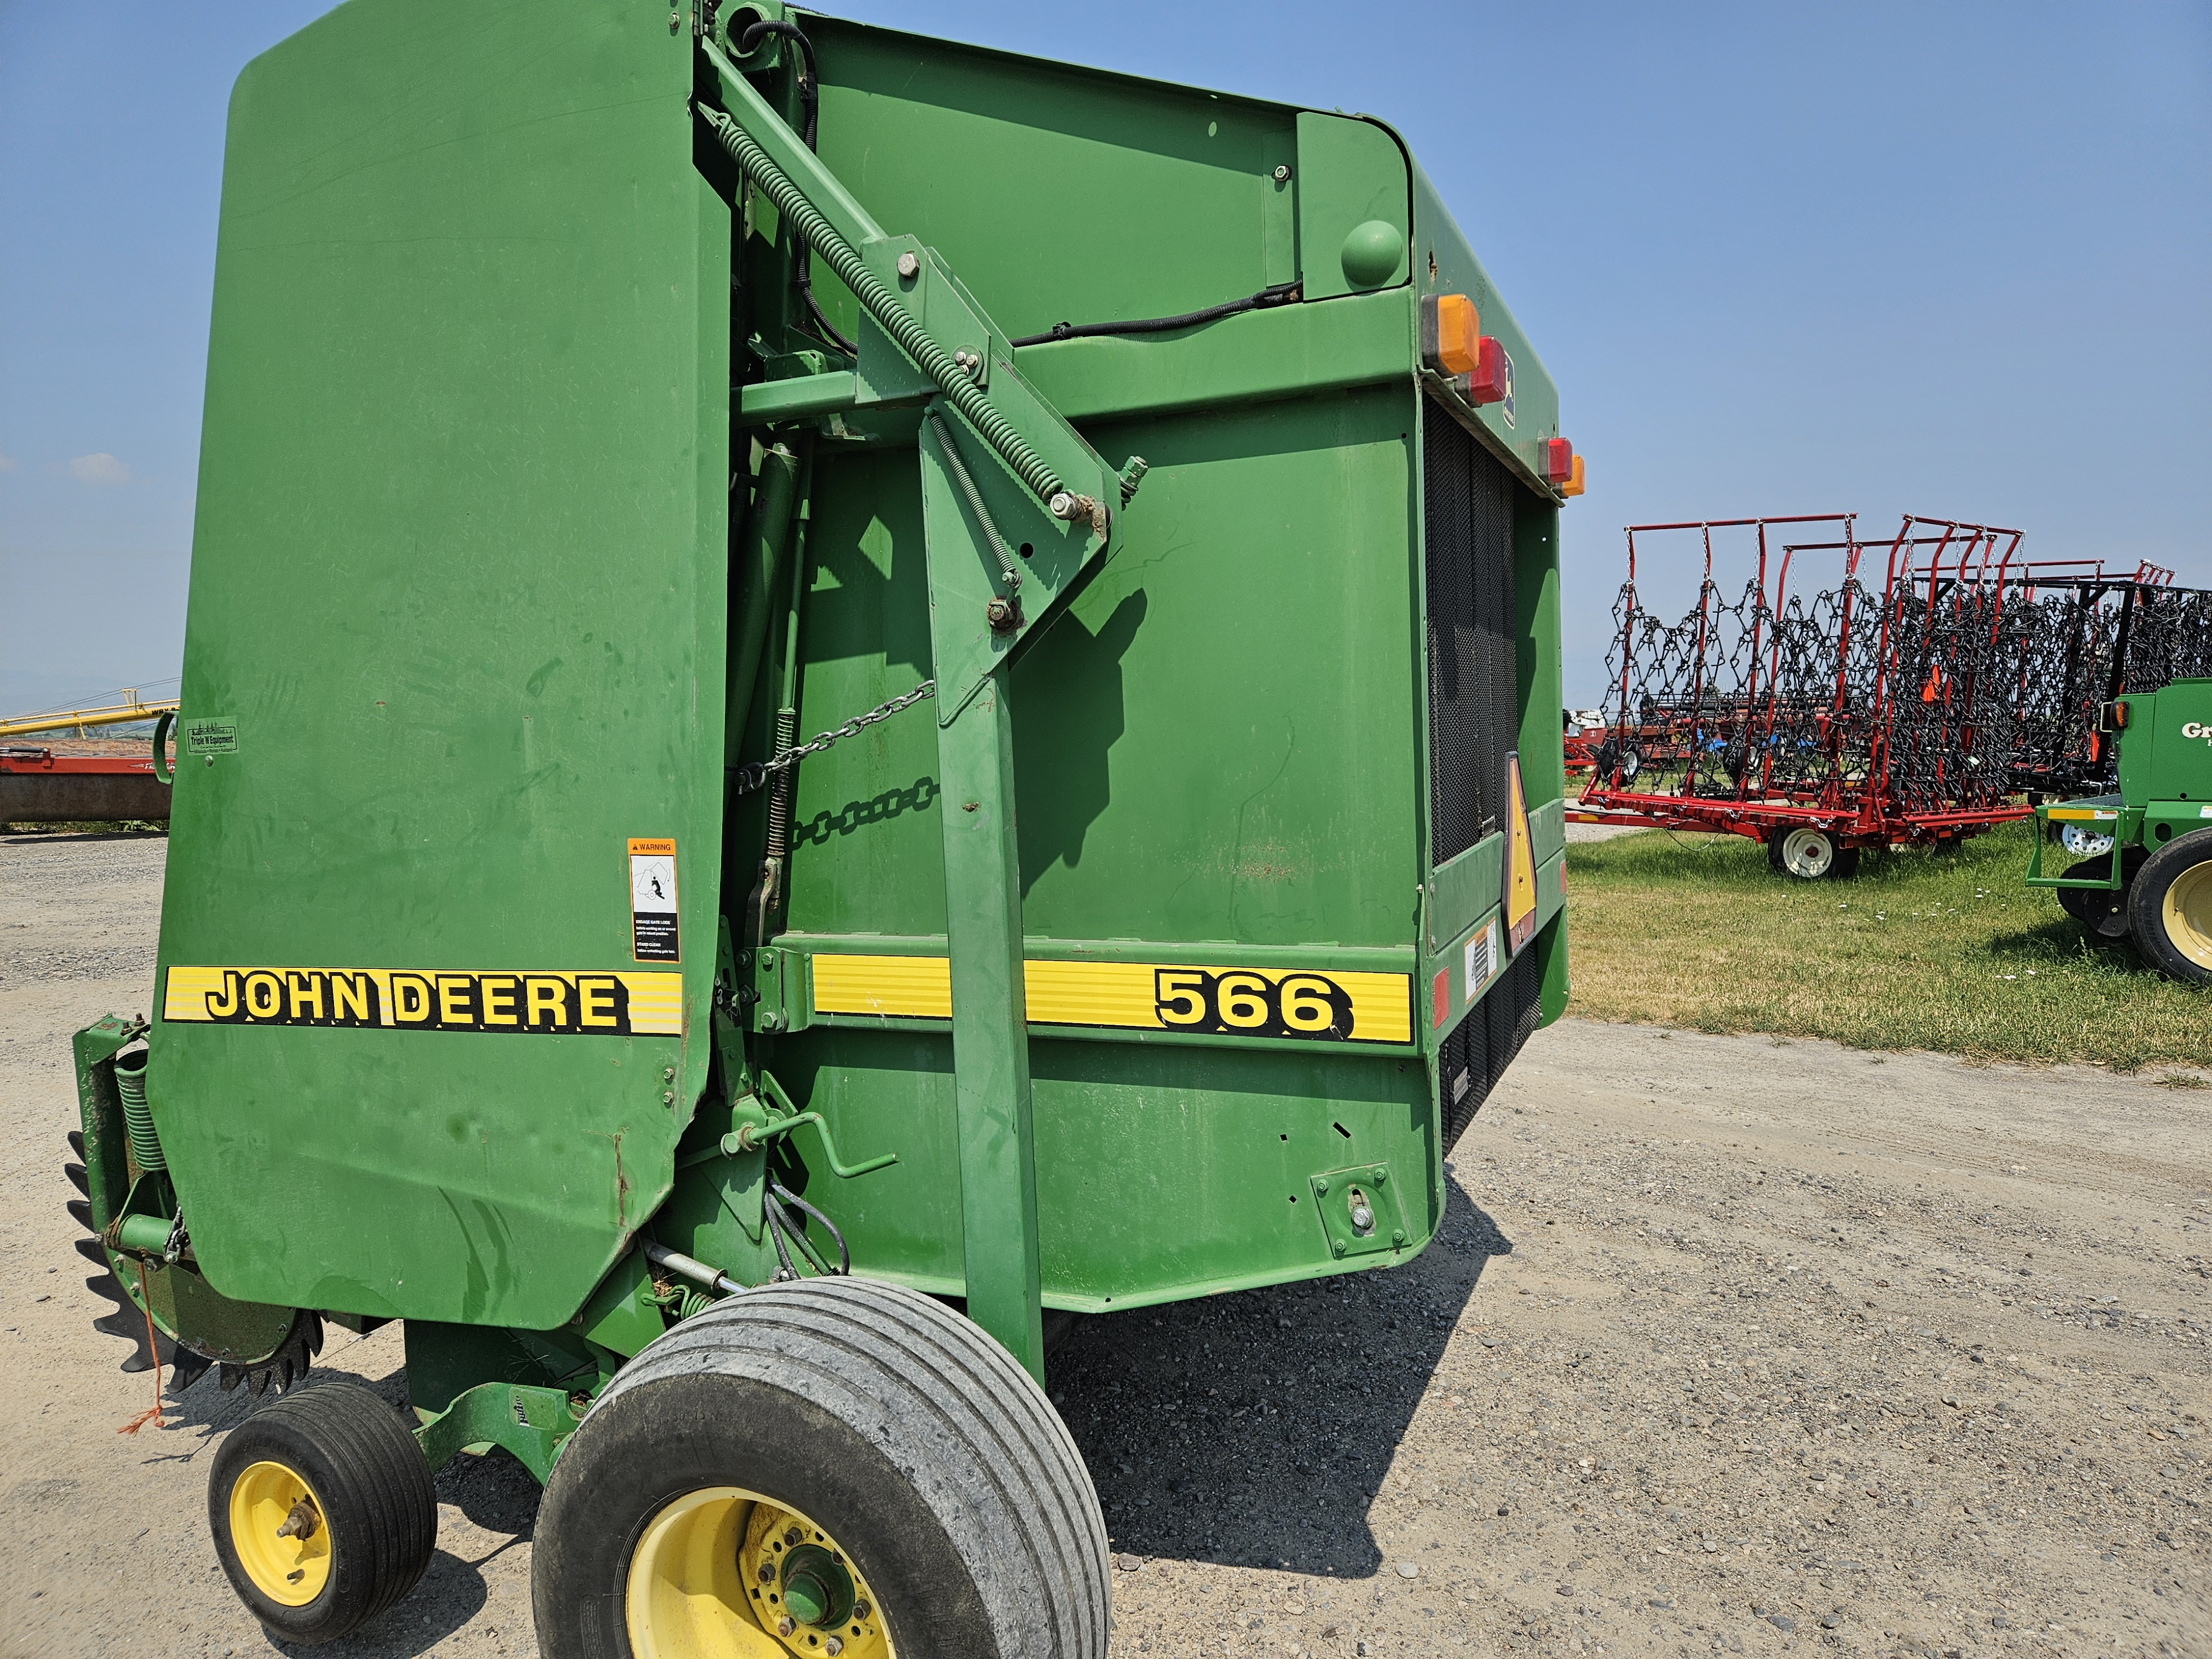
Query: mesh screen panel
x=1473, y=699
x=1483, y=1044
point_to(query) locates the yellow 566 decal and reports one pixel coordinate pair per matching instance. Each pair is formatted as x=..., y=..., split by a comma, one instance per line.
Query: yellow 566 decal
x=430, y=999
x=1307, y=1004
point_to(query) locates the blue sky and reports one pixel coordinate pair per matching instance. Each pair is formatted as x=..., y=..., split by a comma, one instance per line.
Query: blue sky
x=1946, y=260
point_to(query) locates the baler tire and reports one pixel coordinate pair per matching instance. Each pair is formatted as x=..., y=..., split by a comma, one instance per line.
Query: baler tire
x=376, y=1508
x=904, y=1434
x=2170, y=909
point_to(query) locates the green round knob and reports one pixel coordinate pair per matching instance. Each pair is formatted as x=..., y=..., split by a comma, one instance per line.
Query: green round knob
x=1372, y=253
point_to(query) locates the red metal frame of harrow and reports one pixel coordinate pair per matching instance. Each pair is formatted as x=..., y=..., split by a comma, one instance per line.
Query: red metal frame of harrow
x=1860, y=817
x=44, y=762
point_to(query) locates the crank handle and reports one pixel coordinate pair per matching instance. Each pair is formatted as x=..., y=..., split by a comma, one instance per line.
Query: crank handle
x=747, y=1137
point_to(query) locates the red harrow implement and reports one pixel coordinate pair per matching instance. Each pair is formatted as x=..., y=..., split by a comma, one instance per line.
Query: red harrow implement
x=1821, y=721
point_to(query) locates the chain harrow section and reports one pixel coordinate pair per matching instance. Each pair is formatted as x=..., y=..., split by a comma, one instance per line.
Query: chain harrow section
x=1910, y=706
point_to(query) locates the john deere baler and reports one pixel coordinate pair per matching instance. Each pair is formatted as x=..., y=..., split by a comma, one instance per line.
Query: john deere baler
x=843, y=696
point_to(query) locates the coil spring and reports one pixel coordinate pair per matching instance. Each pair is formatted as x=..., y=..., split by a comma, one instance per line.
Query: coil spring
x=137, y=1116
x=806, y=220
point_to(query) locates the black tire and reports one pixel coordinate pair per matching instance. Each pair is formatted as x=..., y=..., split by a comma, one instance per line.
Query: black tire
x=1846, y=864
x=374, y=1503
x=2102, y=910
x=894, y=1425
x=2170, y=909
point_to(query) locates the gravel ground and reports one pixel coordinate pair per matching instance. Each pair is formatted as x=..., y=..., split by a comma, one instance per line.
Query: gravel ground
x=1728, y=1346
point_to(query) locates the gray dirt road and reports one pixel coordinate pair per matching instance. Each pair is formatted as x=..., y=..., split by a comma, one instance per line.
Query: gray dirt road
x=1728, y=1346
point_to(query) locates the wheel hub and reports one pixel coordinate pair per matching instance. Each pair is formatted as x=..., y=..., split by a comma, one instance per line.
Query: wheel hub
x=816, y=1589
x=277, y=1528
x=725, y=1574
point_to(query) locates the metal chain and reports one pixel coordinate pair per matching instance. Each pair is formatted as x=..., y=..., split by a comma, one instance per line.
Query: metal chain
x=753, y=775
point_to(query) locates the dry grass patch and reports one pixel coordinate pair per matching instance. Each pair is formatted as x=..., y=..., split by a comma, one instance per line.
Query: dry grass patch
x=1942, y=951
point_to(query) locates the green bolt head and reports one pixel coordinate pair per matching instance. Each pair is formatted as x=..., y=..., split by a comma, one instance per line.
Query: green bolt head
x=1339, y=1247
x=1321, y=1186
x=1398, y=1235
x=1378, y=1174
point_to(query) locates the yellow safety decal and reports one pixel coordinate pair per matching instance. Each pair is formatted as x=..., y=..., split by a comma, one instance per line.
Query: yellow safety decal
x=1265, y=1002
x=430, y=999
x=1520, y=865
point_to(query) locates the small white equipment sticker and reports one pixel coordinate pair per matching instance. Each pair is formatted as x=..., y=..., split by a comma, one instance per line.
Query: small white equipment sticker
x=1482, y=960
x=653, y=900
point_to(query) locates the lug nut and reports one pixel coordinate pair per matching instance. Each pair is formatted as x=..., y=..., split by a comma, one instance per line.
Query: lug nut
x=832, y=1646
x=909, y=266
x=793, y=1537
x=1001, y=616
x=784, y=1626
x=860, y=1609
x=766, y=1573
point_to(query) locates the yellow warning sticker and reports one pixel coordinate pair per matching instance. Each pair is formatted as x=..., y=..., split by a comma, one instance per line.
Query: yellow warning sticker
x=1520, y=865
x=1303, y=1003
x=430, y=999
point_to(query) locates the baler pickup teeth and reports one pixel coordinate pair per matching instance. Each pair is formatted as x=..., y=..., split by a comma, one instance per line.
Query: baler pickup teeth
x=77, y=1179
x=77, y=1144
x=187, y=1369
x=129, y=1320
x=288, y=1365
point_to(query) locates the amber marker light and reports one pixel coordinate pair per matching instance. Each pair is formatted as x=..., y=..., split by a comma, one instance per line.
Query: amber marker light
x=1451, y=333
x=1573, y=486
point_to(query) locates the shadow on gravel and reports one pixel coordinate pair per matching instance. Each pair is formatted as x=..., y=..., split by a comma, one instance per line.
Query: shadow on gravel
x=1253, y=1429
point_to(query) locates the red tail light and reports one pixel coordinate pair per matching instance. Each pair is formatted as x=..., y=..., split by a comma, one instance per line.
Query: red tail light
x=1487, y=384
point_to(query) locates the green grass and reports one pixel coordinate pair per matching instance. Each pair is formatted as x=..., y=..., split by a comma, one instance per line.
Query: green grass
x=1947, y=951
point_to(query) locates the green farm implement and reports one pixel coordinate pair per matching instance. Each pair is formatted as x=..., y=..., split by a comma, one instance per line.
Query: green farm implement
x=2142, y=857
x=1147, y=499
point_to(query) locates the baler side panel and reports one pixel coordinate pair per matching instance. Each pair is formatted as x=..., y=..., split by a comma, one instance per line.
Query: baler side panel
x=457, y=596
x=1058, y=194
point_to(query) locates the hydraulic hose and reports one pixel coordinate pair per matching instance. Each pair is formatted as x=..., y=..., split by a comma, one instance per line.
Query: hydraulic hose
x=810, y=105
x=817, y=232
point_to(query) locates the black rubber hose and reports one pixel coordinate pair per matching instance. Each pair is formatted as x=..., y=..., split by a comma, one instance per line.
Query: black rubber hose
x=1281, y=293
x=781, y=1220
x=844, y=1255
x=771, y=1211
x=809, y=109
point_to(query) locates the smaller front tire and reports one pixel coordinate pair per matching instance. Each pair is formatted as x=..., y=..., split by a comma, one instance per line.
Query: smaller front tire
x=323, y=1511
x=2170, y=909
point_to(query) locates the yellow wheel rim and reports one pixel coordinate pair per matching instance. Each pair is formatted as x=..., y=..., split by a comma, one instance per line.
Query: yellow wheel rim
x=2187, y=914
x=276, y=1526
x=709, y=1580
